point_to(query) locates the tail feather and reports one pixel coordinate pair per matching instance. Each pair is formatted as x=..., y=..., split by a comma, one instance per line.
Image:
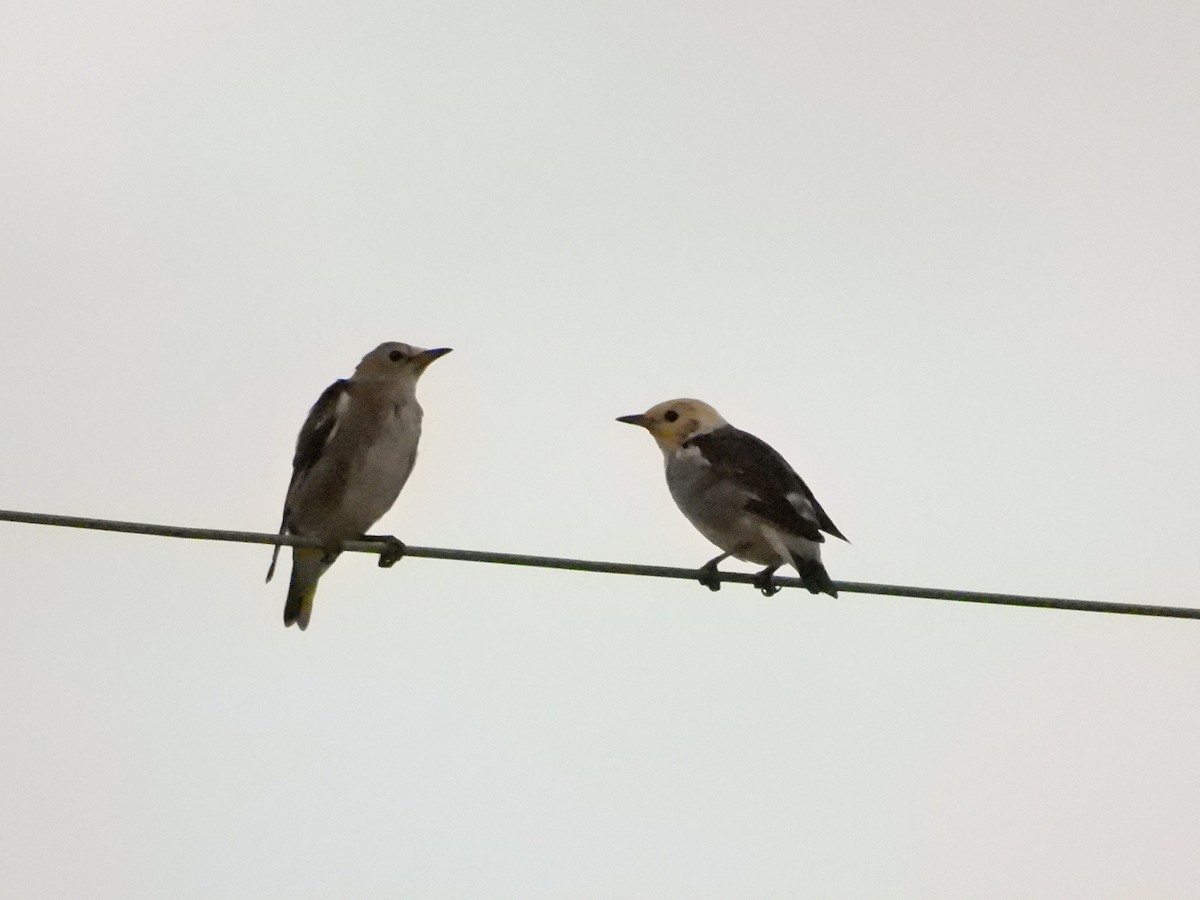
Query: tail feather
x=308, y=565
x=275, y=553
x=812, y=573
x=274, y=559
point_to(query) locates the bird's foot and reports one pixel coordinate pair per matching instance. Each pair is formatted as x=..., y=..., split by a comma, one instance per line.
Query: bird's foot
x=765, y=581
x=391, y=552
x=710, y=576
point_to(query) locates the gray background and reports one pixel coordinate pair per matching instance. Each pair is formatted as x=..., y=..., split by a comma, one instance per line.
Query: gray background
x=942, y=255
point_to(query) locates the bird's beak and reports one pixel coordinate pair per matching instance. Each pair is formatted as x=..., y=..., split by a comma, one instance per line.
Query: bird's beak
x=425, y=357
x=635, y=419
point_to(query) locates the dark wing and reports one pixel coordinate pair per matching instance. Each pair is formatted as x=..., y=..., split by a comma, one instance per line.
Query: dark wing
x=319, y=427
x=755, y=465
x=315, y=433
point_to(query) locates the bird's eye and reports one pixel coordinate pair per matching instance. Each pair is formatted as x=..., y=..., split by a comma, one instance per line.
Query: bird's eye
x=670, y=415
x=395, y=356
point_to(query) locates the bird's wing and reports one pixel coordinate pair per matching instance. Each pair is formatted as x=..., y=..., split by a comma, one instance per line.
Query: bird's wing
x=778, y=494
x=319, y=427
x=315, y=434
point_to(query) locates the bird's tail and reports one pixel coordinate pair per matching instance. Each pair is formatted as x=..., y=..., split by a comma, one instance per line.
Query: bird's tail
x=812, y=573
x=308, y=565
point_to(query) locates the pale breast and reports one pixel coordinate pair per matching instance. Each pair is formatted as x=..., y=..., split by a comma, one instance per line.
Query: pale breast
x=361, y=473
x=716, y=507
x=383, y=466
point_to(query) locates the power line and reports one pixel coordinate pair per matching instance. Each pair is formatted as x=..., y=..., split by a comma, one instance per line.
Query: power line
x=587, y=565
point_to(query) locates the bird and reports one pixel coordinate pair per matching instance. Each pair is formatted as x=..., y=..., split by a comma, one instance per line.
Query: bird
x=355, y=451
x=740, y=494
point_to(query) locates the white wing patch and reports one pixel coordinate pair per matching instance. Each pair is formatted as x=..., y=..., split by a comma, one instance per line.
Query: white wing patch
x=801, y=504
x=339, y=411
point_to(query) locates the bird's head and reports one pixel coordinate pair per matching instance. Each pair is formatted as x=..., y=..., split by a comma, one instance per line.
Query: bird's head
x=676, y=421
x=394, y=359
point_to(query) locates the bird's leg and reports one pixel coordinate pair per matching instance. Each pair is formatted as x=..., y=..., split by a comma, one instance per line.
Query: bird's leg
x=709, y=576
x=765, y=582
x=393, y=549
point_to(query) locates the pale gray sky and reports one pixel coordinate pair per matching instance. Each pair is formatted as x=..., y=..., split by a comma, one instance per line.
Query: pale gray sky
x=943, y=256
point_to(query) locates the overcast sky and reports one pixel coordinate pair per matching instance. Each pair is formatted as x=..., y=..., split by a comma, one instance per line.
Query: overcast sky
x=943, y=256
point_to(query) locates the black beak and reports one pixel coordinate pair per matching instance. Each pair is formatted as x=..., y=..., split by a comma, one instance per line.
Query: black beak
x=424, y=358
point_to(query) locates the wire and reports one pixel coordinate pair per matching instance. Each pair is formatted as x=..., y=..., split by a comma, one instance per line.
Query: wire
x=586, y=565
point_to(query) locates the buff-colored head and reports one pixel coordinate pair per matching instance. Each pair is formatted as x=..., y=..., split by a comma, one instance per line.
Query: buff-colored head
x=676, y=421
x=396, y=360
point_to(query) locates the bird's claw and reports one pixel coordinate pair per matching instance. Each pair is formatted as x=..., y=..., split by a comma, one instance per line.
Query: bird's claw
x=765, y=582
x=710, y=577
x=391, y=552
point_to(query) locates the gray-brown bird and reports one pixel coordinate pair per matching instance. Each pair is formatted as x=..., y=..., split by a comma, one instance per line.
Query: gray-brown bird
x=355, y=452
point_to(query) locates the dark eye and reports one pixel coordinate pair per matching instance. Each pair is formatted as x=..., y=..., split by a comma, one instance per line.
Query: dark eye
x=670, y=415
x=395, y=356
